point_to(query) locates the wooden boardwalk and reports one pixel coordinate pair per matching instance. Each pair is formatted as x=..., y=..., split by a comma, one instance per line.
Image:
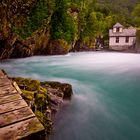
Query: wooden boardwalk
x=17, y=121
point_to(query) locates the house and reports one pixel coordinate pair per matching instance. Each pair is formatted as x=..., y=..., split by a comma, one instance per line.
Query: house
x=121, y=38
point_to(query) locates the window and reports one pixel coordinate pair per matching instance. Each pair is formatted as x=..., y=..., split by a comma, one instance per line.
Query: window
x=117, y=39
x=127, y=39
x=118, y=29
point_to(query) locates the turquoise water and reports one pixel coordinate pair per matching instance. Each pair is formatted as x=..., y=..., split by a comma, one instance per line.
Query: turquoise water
x=106, y=100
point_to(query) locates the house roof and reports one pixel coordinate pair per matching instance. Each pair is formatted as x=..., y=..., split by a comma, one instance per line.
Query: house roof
x=117, y=25
x=126, y=32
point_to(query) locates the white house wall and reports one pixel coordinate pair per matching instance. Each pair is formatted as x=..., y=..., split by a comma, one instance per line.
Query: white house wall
x=112, y=41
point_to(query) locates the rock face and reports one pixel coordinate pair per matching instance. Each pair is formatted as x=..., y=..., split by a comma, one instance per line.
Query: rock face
x=45, y=98
x=57, y=47
x=65, y=88
x=80, y=46
x=18, y=41
x=13, y=47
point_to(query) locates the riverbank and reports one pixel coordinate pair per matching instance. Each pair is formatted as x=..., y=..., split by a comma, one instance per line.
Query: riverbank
x=24, y=50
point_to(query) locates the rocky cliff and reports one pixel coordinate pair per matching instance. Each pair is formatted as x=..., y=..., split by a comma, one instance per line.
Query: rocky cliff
x=25, y=29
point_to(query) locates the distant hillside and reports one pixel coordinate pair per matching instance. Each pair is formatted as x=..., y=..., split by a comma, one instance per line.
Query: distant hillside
x=121, y=8
x=117, y=5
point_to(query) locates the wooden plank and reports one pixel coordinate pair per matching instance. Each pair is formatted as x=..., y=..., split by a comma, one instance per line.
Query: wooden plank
x=5, y=81
x=7, y=88
x=21, y=130
x=15, y=116
x=10, y=98
x=3, y=84
x=12, y=106
x=17, y=121
x=7, y=91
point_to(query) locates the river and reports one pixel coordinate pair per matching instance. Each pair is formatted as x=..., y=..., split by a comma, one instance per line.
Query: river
x=106, y=100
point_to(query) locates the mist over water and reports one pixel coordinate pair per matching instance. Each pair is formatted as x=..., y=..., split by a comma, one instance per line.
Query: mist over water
x=106, y=101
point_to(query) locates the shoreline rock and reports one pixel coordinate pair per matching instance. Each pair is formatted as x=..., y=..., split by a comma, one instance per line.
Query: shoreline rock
x=44, y=98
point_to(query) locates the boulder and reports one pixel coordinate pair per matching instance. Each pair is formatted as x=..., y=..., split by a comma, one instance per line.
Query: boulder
x=64, y=87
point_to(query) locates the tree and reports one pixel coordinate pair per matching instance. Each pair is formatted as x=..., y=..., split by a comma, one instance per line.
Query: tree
x=136, y=15
x=62, y=24
x=39, y=16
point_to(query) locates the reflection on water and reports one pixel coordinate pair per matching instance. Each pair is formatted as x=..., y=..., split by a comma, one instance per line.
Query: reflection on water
x=105, y=105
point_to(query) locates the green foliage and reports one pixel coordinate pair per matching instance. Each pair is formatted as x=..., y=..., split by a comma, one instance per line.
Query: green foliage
x=136, y=15
x=62, y=24
x=91, y=25
x=47, y=123
x=94, y=21
x=28, y=84
x=66, y=20
x=37, y=18
x=41, y=101
x=29, y=95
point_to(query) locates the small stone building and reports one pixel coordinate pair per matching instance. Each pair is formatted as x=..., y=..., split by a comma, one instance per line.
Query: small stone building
x=121, y=38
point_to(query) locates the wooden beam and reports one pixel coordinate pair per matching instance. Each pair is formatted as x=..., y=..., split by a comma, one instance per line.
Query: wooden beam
x=17, y=87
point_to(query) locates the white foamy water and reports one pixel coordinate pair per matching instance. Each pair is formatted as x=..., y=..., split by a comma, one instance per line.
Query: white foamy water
x=105, y=104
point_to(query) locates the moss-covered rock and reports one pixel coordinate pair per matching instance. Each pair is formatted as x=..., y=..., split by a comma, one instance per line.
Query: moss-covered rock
x=27, y=83
x=57, y=47
x=67, y=89
x=37, y=98
x=28, y=94
x=64, y=87
x=47, y=122
x=44, y=98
